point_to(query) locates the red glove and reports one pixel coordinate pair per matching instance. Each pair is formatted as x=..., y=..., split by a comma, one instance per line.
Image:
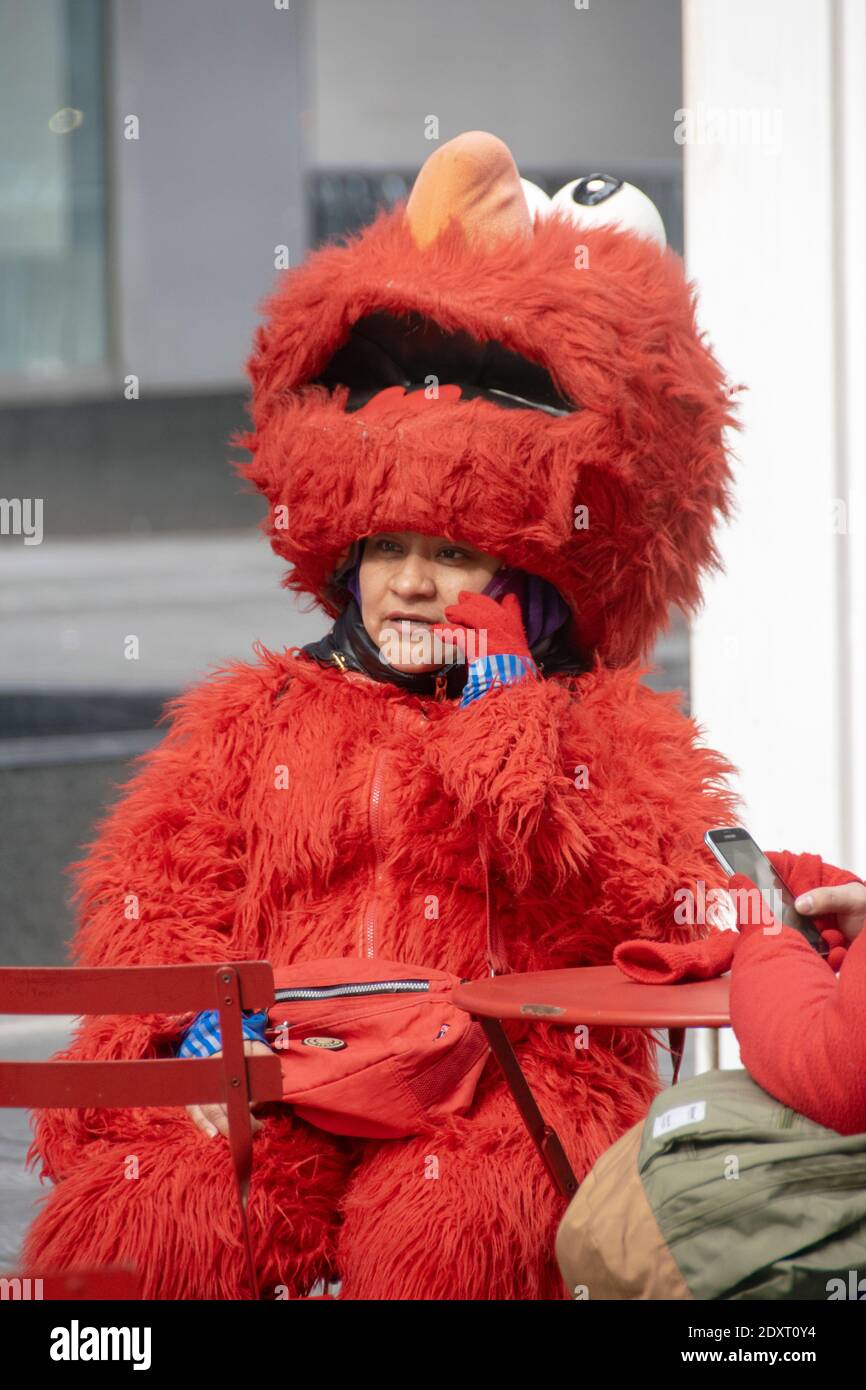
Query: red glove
x=753, y=914
x=667, y=963
x=670, y=963
x=502, y=623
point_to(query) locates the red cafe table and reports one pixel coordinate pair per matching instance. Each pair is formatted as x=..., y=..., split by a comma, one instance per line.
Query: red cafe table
x=599, y=995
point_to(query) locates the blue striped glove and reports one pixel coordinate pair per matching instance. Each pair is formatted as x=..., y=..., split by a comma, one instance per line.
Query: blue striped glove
x=487, y=671
x=202, y=1037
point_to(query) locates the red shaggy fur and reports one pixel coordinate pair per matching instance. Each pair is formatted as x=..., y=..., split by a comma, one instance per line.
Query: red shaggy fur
x=226, y=866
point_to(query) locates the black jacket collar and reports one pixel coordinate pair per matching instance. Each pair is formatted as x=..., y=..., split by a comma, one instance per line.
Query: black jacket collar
x=350, y=646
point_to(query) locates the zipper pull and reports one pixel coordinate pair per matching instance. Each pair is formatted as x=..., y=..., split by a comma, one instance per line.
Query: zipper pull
x=441, y=683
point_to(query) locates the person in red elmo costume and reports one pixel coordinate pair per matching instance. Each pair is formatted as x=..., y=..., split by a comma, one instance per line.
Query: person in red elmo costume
x=468, y=414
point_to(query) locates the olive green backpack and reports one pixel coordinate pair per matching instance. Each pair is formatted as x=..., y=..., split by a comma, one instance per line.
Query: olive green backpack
x=721, y=1193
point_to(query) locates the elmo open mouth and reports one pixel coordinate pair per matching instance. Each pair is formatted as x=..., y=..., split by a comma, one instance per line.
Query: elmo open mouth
x=386, y=350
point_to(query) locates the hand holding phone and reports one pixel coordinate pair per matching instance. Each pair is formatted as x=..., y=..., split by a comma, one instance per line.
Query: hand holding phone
x=738, y=853
x=844, y=901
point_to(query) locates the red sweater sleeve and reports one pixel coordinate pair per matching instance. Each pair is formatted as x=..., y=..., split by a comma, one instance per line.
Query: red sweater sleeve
x=802, y=1030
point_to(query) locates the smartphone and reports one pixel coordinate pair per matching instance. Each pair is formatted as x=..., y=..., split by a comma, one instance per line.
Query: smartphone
x=738, y=853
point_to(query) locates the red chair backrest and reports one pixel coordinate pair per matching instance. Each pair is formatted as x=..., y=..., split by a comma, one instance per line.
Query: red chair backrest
x=234, y=1080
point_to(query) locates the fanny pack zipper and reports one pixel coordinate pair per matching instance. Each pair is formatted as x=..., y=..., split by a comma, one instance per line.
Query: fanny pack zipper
x=283, y=996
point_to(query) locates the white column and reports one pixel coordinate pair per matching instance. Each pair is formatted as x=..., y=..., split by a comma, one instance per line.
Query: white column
x=775, y=235
x=775, y=203
x=850, y=79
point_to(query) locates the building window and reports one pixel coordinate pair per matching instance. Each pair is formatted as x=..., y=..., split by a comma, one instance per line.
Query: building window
x=53, y=274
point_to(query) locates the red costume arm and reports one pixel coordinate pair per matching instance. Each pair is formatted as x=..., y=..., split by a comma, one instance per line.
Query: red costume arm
x=657, y=790
x=800, y=1029
x=160, y=884
x=601, y=792
x=501, y=767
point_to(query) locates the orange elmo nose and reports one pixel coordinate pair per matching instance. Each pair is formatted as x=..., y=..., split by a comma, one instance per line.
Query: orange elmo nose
x=474, y=179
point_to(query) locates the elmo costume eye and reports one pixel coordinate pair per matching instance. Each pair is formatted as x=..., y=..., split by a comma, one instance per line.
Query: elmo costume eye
x=603, y=200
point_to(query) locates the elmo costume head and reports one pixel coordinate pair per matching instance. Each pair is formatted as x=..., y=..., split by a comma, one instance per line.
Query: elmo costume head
x=532, y=383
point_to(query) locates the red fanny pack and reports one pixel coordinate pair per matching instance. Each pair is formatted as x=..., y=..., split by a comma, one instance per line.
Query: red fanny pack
x=373, y=1048
x=376, y=1048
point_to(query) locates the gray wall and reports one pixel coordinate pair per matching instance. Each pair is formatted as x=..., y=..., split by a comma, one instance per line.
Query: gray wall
x=113, y=466
x=556, y=83
x=236, y=100
x=47, y=814
x=213, y=184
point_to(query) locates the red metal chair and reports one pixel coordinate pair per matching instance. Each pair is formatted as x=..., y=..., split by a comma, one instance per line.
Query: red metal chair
x=234, y=1079
x=592, y=995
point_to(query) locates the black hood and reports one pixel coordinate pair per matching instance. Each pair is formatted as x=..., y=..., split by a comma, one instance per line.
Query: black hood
x=350, y=646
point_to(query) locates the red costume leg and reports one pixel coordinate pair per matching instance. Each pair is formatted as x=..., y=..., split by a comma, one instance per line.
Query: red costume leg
x=470, y=1212
x=177, y=1221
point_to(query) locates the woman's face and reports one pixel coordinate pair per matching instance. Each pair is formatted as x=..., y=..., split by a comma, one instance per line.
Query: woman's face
x=407, y=581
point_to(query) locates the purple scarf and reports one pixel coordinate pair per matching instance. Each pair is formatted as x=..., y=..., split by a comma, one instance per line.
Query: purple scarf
x=543, y=608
